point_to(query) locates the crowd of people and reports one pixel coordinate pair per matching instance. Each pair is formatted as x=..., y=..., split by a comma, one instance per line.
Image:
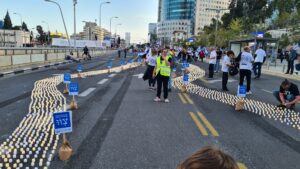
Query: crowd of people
x=161, y=62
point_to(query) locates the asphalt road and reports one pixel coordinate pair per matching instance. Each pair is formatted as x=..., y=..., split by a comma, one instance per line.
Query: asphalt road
x=118, y=125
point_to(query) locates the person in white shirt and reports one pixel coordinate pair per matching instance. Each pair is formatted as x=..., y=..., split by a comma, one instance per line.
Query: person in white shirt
x=246, y=61
x=212, y=62
x=225, y=69
x=151, y=60
x=258, y=61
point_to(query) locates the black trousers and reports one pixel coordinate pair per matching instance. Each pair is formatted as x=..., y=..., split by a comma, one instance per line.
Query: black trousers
x=290, y=67
x=162, y=81
x=245, y=73
x=257, y=69
x=211, y=70
x=151, y=79
x=224, y=80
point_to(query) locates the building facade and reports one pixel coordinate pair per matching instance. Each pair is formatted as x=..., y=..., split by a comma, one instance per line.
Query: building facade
x=127, y=39
x=204, y=14
x=175, y=15
x=93, y=32
x=152, y=28
x=14, y=38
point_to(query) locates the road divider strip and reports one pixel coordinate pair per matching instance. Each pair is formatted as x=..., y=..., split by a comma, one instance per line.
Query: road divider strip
x=87, y=92
x=102, y=81
x=182, y=98
x=242, y=166
x=188, y=98
x=208, y=125
x=201, y=128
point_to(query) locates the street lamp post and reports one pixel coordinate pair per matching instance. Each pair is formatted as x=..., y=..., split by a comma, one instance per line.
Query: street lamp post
x=62, y=16
x=218, y=11
x=74, y=5
x=107, y=2
x=115, y=17
x=15, y=13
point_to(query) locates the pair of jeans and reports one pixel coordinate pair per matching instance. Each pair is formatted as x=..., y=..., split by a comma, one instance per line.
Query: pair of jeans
x=224, y=80
x=211, y=70
x=245, y=73
x=151, y=80
x=162, y=81
x=170, y=81
x=217, y=65
x=257, y=69
x=289, y=98
x=290, y=67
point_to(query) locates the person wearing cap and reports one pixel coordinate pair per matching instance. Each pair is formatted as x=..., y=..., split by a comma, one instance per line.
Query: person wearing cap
x=246, y=60
x=258, y=61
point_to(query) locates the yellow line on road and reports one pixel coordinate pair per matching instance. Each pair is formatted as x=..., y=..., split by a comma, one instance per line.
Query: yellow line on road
x=188, y=98
x=199, y=125
x=241, y=166
x=182, y=98
x=208, y=125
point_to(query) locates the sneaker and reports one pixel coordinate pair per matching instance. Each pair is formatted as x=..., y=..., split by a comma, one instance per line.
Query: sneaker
x=157, y=99
x=167, y=101
x=249, y=92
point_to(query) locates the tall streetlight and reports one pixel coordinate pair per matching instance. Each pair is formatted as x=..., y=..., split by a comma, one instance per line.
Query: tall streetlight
x=100, y=10
x=74, y=5
x=15, y=13
x=62, y=16
x=117, y=28
x=218, y=11
x=115, y=17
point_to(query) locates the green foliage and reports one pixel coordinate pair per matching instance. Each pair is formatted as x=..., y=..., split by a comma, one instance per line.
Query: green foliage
x=24, y=27
x=267, y=35
x=7, y=22
x=236, y=25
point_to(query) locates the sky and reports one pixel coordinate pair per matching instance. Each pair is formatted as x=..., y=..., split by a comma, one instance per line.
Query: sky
x=134, y=15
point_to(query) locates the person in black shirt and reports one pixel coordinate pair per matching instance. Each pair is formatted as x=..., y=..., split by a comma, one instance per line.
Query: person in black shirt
x=288, y=94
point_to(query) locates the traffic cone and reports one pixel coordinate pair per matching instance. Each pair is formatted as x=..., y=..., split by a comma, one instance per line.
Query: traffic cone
x=66, y=90
x=65, y=151
x=73, y=105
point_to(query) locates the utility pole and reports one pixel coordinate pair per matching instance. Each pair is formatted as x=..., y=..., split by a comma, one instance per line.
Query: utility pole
x=74, y=4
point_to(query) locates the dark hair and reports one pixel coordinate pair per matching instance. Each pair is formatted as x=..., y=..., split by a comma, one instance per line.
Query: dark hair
x=209, y=158
x=285, y=83
x=230, y=53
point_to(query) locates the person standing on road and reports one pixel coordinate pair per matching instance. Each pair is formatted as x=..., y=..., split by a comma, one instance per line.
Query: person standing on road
x=291, y=58
x=225, y=69
x=219, y=56
x=258, y=61
x=162, y=73
x=125, y=53
x=212, y=62
x=246, y=60
x=119, y=53
x=151, y=61
x=288, y=94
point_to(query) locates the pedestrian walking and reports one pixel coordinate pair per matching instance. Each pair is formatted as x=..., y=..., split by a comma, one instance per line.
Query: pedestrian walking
x=119, y=53
x=162, y=73
x=260, y=55
x=202, y=55
x=219, y=56
x=151, y=62
x=212, y=62
x=291, y=58
x=288, y=94
x=246, y=60
x=125, y=53
x=225, y=69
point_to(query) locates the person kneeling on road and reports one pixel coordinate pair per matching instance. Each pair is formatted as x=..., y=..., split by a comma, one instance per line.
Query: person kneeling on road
x=287, y=95
x=162, y=73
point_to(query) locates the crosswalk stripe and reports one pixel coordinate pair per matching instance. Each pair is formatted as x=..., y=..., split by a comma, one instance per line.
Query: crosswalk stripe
x=201, y=128
x=208, y=125
x=87, y=92
x=102, y=81
x=182, y=98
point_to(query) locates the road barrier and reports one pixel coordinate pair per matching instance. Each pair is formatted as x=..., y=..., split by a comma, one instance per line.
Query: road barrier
x=17, y=57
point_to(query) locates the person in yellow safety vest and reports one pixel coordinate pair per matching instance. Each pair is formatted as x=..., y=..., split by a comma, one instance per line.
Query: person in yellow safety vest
x=162, y=73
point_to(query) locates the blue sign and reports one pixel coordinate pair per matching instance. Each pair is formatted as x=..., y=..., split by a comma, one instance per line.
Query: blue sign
x=185, y=77
x=242, y=91
x=62, y=122
x=79, y=68
x=122, y=62
x=67, y=78
x=130, y=61
x=73, y=89
x=185, y=65
x=109, y=64
x=174, y=69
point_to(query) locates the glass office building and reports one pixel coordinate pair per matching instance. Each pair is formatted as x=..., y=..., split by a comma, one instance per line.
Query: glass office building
x=178, y=10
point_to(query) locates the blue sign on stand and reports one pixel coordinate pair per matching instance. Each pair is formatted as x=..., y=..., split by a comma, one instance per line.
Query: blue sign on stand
x=185, y=77
x=62, y=122
x=73, y=89
x=242, y=91
x=79, y=68
x=67, y=78
x=109, y=64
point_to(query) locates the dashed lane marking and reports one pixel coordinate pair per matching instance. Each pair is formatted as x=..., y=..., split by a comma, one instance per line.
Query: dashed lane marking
x=208, y=125
x=112, y=75
x=188, y=98
x=182, y=98
x=102, y=81
x=201, y=128
x=87, y=92
x=267, y=91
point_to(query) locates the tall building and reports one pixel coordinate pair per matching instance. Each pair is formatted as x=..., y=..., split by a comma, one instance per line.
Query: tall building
x=127, y=39
x=175, y=15
x=204, y=14
x=92, y=32
x=152, y=28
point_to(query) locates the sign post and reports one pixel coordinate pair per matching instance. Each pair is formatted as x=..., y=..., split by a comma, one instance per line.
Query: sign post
x=67, y=80
x=73, y=91
x=79, y=70
x=62, y=122
x=241, y=93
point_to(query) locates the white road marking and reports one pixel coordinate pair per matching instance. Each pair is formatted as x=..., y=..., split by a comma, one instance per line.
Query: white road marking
x=112, y=75
x=8, y=72
x=219, y=80
x=102, y=81
x=267, y=91
x=87, y=92
x=139, y=75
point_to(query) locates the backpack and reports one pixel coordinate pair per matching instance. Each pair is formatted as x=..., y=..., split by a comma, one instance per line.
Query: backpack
x=201, y=54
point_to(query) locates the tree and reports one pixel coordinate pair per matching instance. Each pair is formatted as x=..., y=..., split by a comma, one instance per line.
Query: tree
x=236, y=25
x=7, y=22
x=42, y=35
x=24, y=27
